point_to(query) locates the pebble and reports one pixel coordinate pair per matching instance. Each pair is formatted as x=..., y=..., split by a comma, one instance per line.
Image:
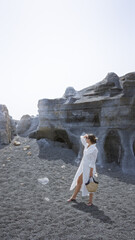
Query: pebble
x=29, y=153
x=63, y=166
x=47, y=199
x=17, y=143
x=43, y=180
x=26, y=147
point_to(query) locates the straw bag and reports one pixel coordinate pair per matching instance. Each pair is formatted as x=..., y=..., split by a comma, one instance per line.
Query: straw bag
x=92, y=185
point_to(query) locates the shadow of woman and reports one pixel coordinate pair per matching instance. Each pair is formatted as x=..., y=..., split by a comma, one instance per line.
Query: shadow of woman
x=94, y=211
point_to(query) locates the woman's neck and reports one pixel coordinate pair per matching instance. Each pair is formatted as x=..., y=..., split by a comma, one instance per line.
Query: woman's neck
x=89, y=144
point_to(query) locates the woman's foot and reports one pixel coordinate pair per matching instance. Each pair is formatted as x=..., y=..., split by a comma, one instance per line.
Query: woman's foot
x=71, y=200
x=89, y=204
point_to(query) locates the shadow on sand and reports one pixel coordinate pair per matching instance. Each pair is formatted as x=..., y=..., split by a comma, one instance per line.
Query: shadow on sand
x=94, y=211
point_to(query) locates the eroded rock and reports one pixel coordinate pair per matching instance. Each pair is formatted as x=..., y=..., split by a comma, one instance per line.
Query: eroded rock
x=106, y=109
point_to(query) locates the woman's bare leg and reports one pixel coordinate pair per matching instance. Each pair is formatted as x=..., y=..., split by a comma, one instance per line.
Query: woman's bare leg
x=77, y=188
x=90, y=199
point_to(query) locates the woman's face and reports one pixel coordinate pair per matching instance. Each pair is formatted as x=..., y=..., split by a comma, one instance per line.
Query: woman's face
x=88, y=140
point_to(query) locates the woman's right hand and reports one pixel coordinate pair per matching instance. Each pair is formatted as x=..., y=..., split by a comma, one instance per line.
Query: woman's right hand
x=85, y=136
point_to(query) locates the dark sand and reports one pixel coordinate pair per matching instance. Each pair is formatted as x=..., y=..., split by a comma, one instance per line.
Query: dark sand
x=32, y=211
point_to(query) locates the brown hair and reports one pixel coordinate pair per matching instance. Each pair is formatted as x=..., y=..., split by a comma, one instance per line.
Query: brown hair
x=92, y=138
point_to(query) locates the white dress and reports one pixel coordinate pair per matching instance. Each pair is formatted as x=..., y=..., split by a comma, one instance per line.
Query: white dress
x=88, y=161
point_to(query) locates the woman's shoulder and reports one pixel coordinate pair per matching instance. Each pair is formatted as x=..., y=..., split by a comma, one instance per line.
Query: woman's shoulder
x=93, y=149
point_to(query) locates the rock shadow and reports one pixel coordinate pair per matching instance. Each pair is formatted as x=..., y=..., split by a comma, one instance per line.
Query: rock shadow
x=55, y=150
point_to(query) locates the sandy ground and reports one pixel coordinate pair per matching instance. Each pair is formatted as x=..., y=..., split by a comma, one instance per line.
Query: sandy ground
x=32, y=211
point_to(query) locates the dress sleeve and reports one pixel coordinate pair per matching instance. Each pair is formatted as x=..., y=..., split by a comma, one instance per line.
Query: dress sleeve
x=92, y=159
x=83, y=140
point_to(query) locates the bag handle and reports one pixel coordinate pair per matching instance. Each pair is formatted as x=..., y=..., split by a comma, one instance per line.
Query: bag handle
x=94, y=180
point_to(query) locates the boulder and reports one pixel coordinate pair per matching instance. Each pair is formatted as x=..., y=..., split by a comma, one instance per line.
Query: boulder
x=26, y=125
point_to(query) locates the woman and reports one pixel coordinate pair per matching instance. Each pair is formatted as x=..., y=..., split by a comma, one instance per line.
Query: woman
x=86, y=169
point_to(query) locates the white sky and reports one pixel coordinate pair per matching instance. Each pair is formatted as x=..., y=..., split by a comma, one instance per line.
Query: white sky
x=48, y=45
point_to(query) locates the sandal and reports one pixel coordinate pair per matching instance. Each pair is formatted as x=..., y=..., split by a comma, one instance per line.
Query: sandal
x=89, y=204
x=71, y=200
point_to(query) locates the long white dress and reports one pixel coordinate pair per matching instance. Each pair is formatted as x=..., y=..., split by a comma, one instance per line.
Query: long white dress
x=88, y=161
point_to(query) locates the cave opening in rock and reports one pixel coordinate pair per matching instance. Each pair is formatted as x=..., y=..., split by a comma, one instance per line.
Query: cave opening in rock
x=61, y=135
x=113, y=148
x=96, y=120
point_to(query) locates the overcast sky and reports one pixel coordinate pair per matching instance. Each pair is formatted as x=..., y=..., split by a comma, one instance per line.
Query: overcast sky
x=48, y=45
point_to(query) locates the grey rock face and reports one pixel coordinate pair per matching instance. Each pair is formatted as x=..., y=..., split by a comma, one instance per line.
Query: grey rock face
x=106, y=109
x=27, y=125
x=6, y=126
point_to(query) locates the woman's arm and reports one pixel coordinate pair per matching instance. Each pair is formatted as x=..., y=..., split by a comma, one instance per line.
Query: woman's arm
x=92, y=161
x=91, y=172
x=83, y=139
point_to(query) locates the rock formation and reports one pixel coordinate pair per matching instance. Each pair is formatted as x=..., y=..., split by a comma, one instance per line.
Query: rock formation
x=7, y=126
x=27, y=125
x=106, y=109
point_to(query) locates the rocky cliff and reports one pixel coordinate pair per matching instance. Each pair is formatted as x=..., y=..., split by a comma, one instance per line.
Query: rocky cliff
x=105, y=109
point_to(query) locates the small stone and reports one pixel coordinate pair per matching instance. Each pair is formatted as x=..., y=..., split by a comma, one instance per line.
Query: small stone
x=26, y=147
x=29, y=153
x=17, y=143
x=8, y=158
x=21, y=183
x=63, y=166
x=47, y=199
x=43, y=180
x=3, y=165
x=109, y=169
